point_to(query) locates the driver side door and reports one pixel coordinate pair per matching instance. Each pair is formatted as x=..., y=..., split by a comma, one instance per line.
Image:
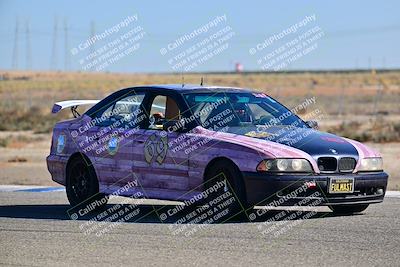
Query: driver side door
x=162, y=171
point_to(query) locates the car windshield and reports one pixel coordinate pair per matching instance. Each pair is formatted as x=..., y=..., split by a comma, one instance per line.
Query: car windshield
x=215, y=110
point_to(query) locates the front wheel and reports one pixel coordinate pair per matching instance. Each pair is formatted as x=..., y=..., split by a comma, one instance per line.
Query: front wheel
x=232, y=195
x=348, y=209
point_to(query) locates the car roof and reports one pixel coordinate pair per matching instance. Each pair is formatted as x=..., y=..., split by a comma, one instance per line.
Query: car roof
x=186, y=88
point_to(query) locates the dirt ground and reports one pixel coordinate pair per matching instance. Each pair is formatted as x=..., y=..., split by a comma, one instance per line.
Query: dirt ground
x=23, y=161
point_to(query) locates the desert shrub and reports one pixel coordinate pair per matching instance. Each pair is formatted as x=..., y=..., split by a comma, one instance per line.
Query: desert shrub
x=34, y=118
x=4, y=142
x=378, y=131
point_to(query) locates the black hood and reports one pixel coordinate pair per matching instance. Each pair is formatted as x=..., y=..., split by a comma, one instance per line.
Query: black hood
x=313, y=142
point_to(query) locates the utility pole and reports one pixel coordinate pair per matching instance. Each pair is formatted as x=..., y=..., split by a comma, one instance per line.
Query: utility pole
x=92, y=34
x=369, y=63
x=28, y=46
x=15, y=50
x=53, y=61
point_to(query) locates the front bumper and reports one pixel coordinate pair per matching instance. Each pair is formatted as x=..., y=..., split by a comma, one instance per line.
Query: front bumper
x=286, y=190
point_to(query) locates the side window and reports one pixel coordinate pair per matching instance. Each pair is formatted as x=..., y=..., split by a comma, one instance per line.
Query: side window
x=163, y=110
x=122, y=112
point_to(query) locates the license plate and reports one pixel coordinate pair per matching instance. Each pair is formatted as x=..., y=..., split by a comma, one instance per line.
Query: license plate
x=341, y=185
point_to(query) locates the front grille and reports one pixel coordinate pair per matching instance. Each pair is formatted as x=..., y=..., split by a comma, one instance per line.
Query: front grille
x=327, y=164
x=347, y=164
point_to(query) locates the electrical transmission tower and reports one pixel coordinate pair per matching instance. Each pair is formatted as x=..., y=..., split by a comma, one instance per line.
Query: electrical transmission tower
x=67, y=58
x=15, y=50
x=53, y=61
x=28, y=46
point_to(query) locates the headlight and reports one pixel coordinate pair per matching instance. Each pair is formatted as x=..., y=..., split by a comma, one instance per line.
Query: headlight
x=371, y=164
x=284, y=165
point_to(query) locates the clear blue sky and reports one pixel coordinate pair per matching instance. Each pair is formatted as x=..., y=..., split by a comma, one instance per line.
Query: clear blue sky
x=357, y=33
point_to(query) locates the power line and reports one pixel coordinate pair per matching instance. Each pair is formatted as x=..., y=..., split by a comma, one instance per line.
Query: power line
x=28, y=46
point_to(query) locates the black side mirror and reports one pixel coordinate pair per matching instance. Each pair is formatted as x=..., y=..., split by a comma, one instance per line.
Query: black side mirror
x=313, y=124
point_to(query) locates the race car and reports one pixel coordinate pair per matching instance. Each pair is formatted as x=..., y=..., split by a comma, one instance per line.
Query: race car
x=189, y=142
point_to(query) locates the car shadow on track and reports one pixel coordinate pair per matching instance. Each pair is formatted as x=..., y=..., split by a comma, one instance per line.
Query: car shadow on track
x=153, y=214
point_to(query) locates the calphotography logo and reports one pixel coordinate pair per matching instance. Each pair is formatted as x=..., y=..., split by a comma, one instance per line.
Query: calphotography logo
x=196, y=48
x=283, y=49
x=109, y=46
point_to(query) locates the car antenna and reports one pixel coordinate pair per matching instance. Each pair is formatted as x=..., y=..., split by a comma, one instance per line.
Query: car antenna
x=183, y=80
x=201, y=82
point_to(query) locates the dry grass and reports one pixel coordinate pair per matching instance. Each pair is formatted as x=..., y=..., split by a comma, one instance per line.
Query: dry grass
x=377, y=130
x=27, y=97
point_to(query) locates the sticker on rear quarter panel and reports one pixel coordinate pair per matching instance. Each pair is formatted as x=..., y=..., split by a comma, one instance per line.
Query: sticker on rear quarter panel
x=112, y=145
x=61, y=140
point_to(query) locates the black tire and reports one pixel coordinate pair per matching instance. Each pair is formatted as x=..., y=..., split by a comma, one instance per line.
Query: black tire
x=82, y=185
x=226, y=170
x=348, y=209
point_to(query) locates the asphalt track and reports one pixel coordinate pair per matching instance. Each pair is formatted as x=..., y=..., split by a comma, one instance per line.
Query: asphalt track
x=35, y=230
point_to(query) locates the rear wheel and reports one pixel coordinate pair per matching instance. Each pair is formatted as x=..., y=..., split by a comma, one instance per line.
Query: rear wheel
x=82, y=185
x=348, y=209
